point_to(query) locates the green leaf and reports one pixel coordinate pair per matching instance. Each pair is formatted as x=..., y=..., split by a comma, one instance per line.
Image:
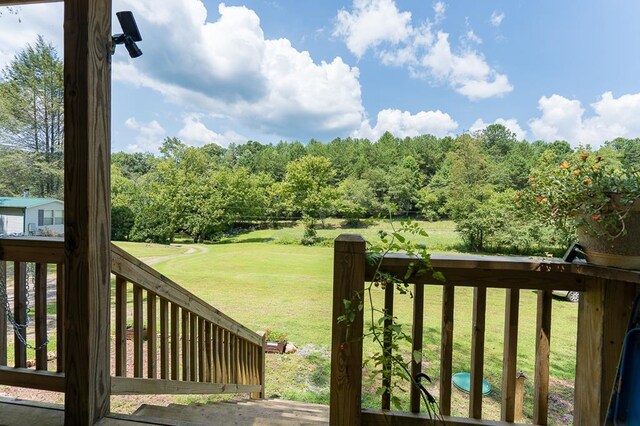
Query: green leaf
x=417, y=357
x=437, y=275
x=399, y=237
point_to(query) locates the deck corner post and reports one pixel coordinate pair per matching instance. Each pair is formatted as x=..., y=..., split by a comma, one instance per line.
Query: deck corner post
x=346, y=342
x=87, y=209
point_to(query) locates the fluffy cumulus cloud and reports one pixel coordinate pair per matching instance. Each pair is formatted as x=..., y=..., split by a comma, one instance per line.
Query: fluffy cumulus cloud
x=226, y=67
x=403, y=123
x=563, y=118
x=423, y=49
x=511, y=124
x=196, y=133
x=439, y=9
x=149, y=136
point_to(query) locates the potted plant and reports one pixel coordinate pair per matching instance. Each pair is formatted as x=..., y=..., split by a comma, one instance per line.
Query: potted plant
x=276, y=341
x=593, y=196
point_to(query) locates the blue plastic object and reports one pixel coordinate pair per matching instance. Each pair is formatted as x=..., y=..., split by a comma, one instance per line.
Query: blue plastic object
x=627, y=402
x=462, y=381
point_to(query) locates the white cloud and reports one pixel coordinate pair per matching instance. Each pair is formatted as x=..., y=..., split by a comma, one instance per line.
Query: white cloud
x=416, y=48
x=195, y=133
x=229, y=69
x=563, y=118
x=496, y=18
x=372, y=22
x=22, y=28
x=439, y=8
x=149, y=135
x=402, y=124
x=511, y=124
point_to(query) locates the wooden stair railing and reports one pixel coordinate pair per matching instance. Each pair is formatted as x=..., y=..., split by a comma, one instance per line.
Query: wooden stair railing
x=190, y=346
x=602, y=317
x=180, y=344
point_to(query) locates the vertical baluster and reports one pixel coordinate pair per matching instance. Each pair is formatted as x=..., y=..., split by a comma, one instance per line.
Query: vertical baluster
x=186, y=366
x=40, y=296
x=193, y=350
x=541, y=374
x=446, y=348
x=121, y=326
x=416, y=345
x=137, y=331
x=227, y=356
x=152, y=340
x=245, y=361
x=386, y=367
x=60, y=310
x=3, y=316
x=202, y=355
x=477, y=351
x=234, y=355
x=20, y=311
x=510, y=355
x=175, y=342
x=217, y=359
x=209, y=352
x=164, y=338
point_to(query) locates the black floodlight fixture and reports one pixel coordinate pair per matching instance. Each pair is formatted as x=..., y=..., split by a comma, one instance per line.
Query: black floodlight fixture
x=130, y=34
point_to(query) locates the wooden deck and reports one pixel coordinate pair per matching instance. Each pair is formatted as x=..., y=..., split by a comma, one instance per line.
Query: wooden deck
x=241, y=413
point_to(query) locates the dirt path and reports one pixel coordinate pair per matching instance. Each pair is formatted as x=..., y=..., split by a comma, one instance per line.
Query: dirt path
x=191, y=250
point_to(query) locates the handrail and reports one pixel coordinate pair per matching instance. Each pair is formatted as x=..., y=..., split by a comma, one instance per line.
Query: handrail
x=198, y=349
x=603, y=312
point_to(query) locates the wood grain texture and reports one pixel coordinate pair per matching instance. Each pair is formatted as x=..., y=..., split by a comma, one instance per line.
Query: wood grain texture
x=346, y=343
x=3, y=319
x=446, y=348
x=193, y=347
x=152, y=337
x=477, y=351
x=386, y=346
x=60, y=317
x=40, y=293
x=138, y=325
x=186, y=366
x=395, y=418
x=121, y=326
x=33, y=379
x=417, y=330
x=23, y=2
x=32, y=249
x=20, y=312
x=543, y=346
x=138, y=386
x=87, y=208
x=510, y=355
x=209, y=352
x=175, y=342
x=164, y=339
x=202, y=355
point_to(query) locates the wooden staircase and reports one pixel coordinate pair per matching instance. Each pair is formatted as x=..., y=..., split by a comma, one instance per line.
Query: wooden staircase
x=241, y=413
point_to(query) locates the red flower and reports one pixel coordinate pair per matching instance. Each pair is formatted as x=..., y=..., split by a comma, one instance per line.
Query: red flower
x=596, y=216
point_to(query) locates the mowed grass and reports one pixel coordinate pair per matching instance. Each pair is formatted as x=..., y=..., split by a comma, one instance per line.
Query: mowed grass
x=288, y=288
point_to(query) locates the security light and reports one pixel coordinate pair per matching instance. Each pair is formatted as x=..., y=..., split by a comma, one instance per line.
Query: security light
x=130, y=34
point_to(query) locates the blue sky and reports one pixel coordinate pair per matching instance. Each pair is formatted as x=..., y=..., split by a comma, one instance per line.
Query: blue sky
x=271, y=70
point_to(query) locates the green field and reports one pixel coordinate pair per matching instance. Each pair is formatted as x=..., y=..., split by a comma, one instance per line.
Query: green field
x=264, y=282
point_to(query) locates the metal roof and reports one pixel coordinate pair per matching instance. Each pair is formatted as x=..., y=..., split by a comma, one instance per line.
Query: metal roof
x=25, y=203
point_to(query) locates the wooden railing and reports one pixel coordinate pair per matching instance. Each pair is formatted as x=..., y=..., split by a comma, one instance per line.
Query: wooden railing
x=605, y=305
x=178, y=343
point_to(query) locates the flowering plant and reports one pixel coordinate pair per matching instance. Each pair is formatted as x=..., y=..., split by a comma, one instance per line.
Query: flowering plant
x=591, y=191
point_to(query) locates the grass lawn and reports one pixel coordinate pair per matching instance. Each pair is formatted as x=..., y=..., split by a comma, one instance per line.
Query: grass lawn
x=288, y=288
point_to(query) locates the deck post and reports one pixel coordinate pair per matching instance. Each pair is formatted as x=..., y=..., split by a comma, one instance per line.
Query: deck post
x=87, y=97
x=346, y=342
x=603, y=315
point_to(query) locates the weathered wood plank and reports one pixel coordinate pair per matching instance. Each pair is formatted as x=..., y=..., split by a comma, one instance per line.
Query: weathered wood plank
x=136, y=271
x=446, y=348
x=386, y=346
x=193, y=349
x=121, y=326
x=510, y=355
x=346, y=346
x=32, y=249
x=477, y=351
x=3, y=318
x=186, y=366
x=60, y=317
x=23, y=2
x=40, y=294
x=137, y=386
x=87, y=208
x=209, y=352
x=202, y=355
x=152, y=337
x=20, y=312
x=137, y=331
x=396, y=418
x=543, y=346
x=164, y=339
x=175, y=342
x=33, y=379
x=217, y=359
x=417, y=330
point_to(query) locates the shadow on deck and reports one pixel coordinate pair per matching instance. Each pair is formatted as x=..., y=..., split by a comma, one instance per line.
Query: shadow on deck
x=242, y=413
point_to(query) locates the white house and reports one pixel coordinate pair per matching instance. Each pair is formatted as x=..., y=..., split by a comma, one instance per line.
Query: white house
x=31, y=216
